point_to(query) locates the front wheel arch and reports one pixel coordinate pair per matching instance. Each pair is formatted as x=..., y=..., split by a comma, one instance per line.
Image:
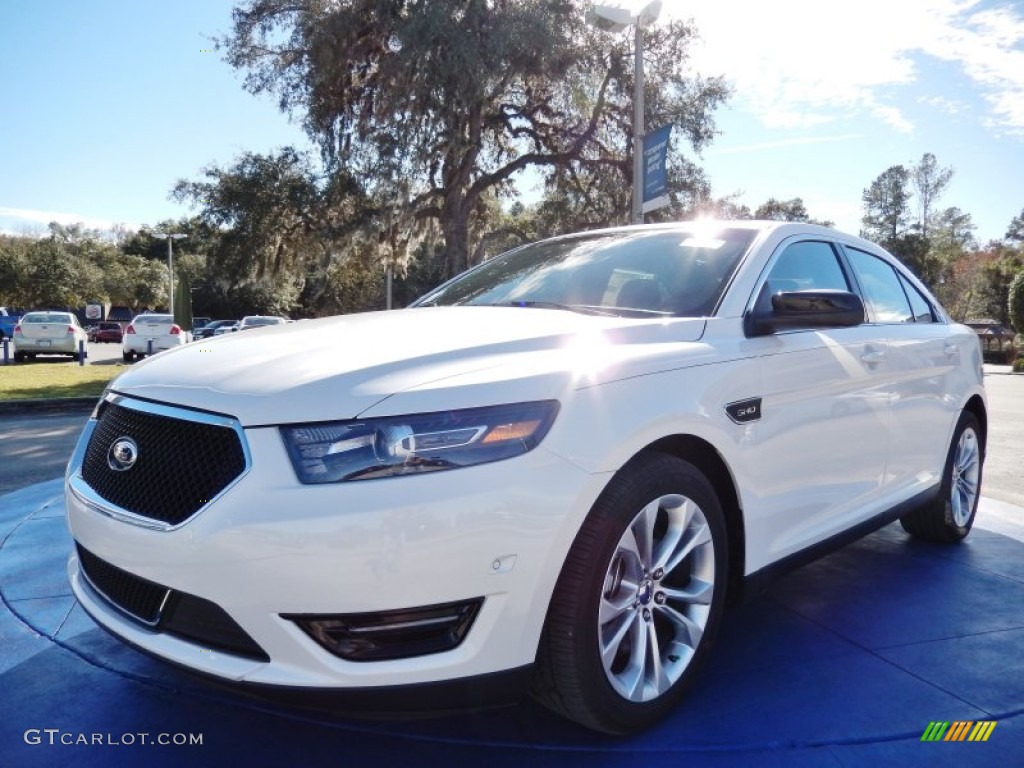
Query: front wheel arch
x=709, y=461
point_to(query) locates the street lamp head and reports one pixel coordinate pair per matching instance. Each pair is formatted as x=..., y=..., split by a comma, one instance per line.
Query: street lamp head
x=609, y=17
x=164, y=235
x=649, y=13
x=612, y=18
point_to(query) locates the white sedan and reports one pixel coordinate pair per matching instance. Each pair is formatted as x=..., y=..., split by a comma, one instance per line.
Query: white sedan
x=48, y=333
x=550, y=472
x=150, y=333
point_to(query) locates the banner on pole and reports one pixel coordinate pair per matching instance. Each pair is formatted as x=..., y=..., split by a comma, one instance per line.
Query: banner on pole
x=655, y=173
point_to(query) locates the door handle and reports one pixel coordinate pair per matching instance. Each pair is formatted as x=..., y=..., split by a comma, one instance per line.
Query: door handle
x=873, y=356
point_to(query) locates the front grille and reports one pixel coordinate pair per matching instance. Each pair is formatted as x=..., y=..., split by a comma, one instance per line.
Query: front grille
x=182, y=464
x=166, y=610
x=136, y=597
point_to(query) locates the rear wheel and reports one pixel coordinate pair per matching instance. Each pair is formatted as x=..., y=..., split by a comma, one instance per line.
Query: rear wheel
x=127, y=356
x=19, y=357
x=949, y=517
x=639, y=598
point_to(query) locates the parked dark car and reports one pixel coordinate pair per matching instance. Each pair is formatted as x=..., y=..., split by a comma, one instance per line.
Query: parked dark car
x=106, y=333
x=210, y=328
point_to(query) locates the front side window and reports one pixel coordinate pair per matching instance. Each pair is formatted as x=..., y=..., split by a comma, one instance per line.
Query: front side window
x=883, y=293
x=811, y=265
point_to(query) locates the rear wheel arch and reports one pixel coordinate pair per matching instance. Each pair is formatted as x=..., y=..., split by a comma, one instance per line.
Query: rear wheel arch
x=977, y=406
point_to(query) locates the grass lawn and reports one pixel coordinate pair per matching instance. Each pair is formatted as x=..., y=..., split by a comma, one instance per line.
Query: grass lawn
x=27, y=381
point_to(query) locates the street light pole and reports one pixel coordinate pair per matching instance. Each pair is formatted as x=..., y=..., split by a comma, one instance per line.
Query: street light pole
x=638, y=123
x=170, y=261
x=615, y=19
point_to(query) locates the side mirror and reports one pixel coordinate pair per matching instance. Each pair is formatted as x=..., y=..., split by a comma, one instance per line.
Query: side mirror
x=792, y=310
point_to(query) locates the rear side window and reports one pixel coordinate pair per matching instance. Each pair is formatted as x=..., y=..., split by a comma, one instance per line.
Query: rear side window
x=923, y=312
x=883, y=292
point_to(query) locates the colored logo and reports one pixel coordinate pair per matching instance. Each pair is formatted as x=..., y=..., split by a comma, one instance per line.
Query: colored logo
x=960, y=730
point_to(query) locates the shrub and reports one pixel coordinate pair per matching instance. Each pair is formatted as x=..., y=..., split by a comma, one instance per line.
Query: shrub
x=1015, y=302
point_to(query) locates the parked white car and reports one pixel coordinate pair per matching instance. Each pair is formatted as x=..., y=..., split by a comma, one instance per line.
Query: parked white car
x=551, y=471
x=258, y=321
x=47, y=333
x=151, y=333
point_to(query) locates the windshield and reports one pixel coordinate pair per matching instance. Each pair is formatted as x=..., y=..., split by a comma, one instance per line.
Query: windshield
x=47, y=317
x=630, y=273
x=154, y=319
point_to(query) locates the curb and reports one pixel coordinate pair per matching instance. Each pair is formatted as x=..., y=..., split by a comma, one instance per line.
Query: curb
x=52, y=405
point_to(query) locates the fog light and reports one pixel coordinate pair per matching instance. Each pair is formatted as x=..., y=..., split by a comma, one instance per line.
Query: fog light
x=391, y=634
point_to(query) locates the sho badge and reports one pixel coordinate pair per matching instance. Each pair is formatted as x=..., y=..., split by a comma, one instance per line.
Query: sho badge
x=745, y=411
x=123, y=454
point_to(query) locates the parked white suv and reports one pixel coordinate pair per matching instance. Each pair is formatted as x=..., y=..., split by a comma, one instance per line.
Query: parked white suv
x=551, y=470
x=150, y=333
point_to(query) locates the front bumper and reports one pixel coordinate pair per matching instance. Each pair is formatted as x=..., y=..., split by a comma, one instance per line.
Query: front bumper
x=270, y=547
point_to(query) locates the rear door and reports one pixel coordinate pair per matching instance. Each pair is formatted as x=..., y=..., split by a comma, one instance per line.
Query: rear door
x=926, y=367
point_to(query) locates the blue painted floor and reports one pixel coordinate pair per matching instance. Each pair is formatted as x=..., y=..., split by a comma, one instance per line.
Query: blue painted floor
x=843, y=663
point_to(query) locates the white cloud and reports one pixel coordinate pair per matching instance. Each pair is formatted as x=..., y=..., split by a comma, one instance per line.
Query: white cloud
x=25, y=217
x=727, y=150
x=796, y=62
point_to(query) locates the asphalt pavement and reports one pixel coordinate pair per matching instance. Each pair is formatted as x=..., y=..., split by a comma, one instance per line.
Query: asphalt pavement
x=845, y=662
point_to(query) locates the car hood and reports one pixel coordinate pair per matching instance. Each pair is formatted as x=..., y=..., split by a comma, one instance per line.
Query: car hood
x=412, y=360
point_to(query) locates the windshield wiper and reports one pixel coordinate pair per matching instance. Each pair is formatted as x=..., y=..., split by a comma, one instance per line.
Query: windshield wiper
x=583, y=309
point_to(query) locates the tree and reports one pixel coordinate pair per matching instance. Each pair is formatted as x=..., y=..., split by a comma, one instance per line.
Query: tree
x=930, y=181
x=438, y=105
x=1015, y=232
x=915, y=251
x=57, y=276
x=1015, y=303
x=887, y=206
x=13, y=270
x=786, y=210
x=280, y=225
x=999, y=268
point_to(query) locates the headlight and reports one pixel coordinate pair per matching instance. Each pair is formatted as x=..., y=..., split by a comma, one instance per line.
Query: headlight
x=331, y=452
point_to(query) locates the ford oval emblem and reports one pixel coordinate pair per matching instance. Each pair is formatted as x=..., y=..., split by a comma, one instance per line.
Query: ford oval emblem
x=123, y=454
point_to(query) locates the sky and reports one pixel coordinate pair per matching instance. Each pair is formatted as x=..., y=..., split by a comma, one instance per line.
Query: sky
x=104, y=105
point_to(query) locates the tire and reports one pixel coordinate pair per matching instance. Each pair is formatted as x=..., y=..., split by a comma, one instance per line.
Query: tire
x=127, y=356
x=19, y=357
x=949, y=517
x=619, y=602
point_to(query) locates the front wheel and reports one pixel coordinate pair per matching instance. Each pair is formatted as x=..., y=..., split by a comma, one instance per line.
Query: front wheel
x=639, y=598
x=949, y=517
